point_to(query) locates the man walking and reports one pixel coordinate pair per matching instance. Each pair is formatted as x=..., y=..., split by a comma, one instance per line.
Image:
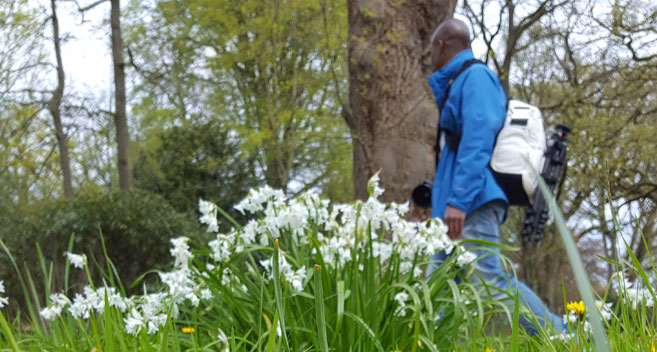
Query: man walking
x=465, y=194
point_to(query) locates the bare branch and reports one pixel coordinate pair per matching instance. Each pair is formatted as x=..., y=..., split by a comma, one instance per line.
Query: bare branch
x=91, y=6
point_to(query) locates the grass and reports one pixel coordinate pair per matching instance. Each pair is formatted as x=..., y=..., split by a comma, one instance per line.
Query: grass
x=313, y=278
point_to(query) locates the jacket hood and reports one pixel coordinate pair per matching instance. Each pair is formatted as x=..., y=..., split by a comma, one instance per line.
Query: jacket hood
x=439, y=79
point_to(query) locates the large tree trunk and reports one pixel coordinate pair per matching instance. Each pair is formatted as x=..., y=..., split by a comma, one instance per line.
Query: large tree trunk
x=391, y=111
x=120, y=118
x=54, y=105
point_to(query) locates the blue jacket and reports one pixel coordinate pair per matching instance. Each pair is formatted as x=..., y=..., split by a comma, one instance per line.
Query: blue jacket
x=474, y=110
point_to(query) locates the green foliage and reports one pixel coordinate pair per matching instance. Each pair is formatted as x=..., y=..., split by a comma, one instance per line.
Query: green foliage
x=136, y=226
x=345, y=301
x=273, y=72
x=187, y=163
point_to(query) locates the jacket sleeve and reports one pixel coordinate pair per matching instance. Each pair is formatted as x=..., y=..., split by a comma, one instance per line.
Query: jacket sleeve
x=480, y=110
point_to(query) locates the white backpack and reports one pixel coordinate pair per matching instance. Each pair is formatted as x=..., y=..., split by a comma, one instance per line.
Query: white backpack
x=519, y=152
x=519, y=148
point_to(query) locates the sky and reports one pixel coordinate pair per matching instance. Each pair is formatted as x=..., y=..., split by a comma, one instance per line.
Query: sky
x=86, y=52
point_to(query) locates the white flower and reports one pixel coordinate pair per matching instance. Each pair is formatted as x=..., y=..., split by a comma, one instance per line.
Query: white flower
x=224, y=340
x=405, y=267
x=81, y=307
x=295, y=278
x=206, y=294
x=154, y=303
x=570, y=318
x=155, y=322
x=191, y=296
x=465, y=258
x=134, y=322
x=57, y=303
x=401, y=299
x=180, y=252
x=257, y=199
x=3, y=300
x=59, y=299
x=605, y=309
x=77, y=260
x=220, y=248
x=561, y=337
x=50, y=313
x=638, y=296
x=373, y=188
x=417, y=272
x=208, y=215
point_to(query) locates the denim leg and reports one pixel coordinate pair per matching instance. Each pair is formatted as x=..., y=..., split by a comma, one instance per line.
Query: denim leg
x=484, y=224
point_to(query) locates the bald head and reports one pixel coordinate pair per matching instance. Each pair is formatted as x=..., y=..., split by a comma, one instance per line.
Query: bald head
x=450, y=37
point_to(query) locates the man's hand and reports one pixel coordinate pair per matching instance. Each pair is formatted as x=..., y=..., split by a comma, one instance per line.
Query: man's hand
x=454, y=219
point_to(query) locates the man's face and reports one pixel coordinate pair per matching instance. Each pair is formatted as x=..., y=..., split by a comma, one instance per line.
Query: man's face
x=437, y=47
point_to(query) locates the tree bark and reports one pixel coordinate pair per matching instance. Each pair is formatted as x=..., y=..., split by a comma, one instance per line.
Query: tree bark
x=54, y=105
x=391, y=111
x=120, y=116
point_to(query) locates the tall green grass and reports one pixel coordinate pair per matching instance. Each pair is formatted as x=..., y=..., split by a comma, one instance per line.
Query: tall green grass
x=361, y=304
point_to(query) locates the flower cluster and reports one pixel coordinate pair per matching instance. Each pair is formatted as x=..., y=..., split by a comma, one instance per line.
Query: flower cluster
x=294, y=277
x=183, y=285
x=633, y=294
x=342, y=230
x=576, y=315
x=341, y=234
x=58, y=302
x=84, y=303
x=77, y=260
x=144, y=312
x=401, y=299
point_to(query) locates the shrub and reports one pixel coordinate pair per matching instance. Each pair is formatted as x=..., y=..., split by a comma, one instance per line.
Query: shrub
x=136, y=226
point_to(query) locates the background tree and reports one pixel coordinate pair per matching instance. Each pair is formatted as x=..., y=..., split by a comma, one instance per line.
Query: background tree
x=269, y=71
x=54, y=105
x=120, y=115
x=27, y=157
x=192, y=162
x=390, y=111
x=573, y=63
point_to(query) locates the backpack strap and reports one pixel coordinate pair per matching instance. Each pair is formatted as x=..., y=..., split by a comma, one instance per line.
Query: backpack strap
x=455, y=139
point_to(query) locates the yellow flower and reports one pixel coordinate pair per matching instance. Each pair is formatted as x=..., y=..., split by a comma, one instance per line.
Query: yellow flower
x=188, y=329
x=577, y=307
x=488, y=349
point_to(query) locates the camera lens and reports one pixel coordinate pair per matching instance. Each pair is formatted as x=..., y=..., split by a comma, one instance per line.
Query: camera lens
x=422, y=194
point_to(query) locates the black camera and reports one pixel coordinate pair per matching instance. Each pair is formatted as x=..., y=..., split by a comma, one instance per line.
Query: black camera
x=422, y=194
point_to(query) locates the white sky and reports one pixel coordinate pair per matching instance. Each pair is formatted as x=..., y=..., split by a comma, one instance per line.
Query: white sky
x=86, y=52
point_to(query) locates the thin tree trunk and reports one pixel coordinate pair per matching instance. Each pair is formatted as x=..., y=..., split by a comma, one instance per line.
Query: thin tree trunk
x=391, y=112
x=120, y=118
x=54, y=105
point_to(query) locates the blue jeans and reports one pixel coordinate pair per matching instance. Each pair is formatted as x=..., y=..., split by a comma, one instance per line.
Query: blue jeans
x=484, y=224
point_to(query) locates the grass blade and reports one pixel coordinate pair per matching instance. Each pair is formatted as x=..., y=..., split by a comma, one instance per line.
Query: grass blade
x=279, y=293
x=583, y=283
x=516, y=322
x=319, y=308
x=8, y=334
